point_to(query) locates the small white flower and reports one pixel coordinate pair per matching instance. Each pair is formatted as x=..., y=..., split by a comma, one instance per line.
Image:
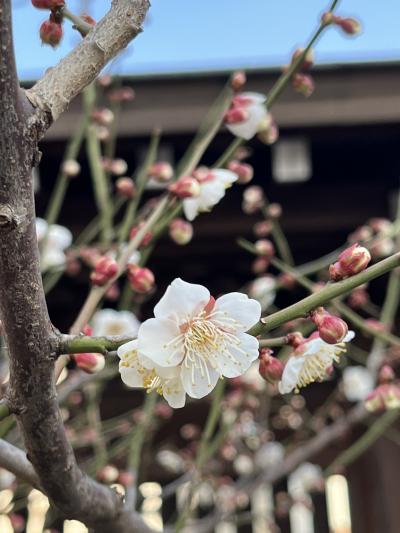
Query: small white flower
x=57, y=239
x=138, y=371
x=202, y=337
x=310, y=363
x=212, y=190
x=108, y=322
x=263, y=289
x=357, y=383
x=256, y=115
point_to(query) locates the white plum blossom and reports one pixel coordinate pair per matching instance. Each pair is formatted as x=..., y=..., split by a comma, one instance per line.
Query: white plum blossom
x=202, y=337
x=311, y=362
x=108, y=322
x=212, y=189
x=139, y=371
x=53, y=241
x=255, y=115
x=357, y=383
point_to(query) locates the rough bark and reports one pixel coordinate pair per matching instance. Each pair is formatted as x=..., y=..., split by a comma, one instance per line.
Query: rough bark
x=30, y=336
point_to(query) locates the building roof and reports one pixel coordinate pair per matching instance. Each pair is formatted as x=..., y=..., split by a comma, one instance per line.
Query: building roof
x=184, y=36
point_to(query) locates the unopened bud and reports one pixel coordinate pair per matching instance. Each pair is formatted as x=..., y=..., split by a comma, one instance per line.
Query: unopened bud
x=358, y=298
x=104, y=116
x=244, y=171
x=380, y=225
x=270, y=368
x=260, y=265
x=125, y=187
x=51, y=33
x=104, y=270
x=146, y=239
x=362, y=233
x=253, y=199
x=287, y=281
x=141, y=278
x=351, y=261
x=181, y=231
x=308, y=60
x=123, y=94
x=264, y=247
x=108, y=474
x=349, y=25
x=91, y=363
x=161, y=171
x=303, y=84
x=185, y=187
x=118, y=167
x=274, y=210
x=295, y=339
x=238, y=80
x=327, y=18
x=382, y=247
x=331, y=329
x=386, y=374
x=385, y=396
x=70, y=168
x=48, y=4
x=263, y=228
x=270, y=134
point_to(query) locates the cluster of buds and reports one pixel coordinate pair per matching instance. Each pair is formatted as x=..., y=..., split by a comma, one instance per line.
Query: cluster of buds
x=349, y=25
x=118, y=167
x=331, y=329
x=185, y=187
x=146, y=239
x=125, y=187
x=51, y=31
x=105, y=269
x=141, y=279
x=253, y=199
x=91, y=363
x=238, y=80
x=161, y=171
x=351, y=261
x=180, y=231
x=244, y=171
x=270, y=368
x=302, y=81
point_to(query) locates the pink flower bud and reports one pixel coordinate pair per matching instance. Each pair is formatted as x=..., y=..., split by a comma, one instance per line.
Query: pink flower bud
x=380, y=225
x=124, y=94
x=362, y=233
x=358, y=298
x=351, y=261
x=102, y=132
x=103, y=116
x=386, y=374
x=118, y=167
x=295, y=339
x=327, y=18
x=375, y=324
x=349, y=25
x=385, y=396
x=287, y=280
x=308, y=60
x=382, y=247
x=51, y=32
x=244, y=171
x=141, y=278
x=265, y=248
x=270, y=368
x=236, y=115
x=147, y=236
x=274, y=210
x=91, y=363
x=126, y=479
x=331, y=329
x=303, y=84
x=260, y=265
x=112, y=293
x=253, y=199
x=108, y=474
x=263, y=228
x=270, y=134
x=48, y=4
x=181, y=231
x=185, y=187
x=125, y=187
x=161, y=171
x=104, y=270
x=70, y=168
x=238, y=80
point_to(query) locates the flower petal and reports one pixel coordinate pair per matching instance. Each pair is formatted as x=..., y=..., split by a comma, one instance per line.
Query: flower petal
x=238, y=357
x=160, y=340
x=236, y=311
x=181, y=301
x=198, y=381
x=191, y=208
x=224, y=176
x=131, y=376
x=127, y=348
x=290, y=374
x=248, y=128
x=174, y=393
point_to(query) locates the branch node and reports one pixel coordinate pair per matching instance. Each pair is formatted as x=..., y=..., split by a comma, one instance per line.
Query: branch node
x=8, y=219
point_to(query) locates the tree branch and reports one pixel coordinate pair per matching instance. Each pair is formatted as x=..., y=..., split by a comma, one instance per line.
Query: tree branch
x=58, y=87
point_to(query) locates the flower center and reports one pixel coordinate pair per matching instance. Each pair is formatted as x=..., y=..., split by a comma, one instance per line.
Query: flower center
x=151, y=380
x=315, y=366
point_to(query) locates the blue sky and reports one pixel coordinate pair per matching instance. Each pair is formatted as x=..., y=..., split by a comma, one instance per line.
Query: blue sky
x=202, y=35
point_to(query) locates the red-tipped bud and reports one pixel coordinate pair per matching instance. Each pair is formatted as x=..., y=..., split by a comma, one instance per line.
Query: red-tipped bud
x=238, y=80
x=331, y=329
x=141, y=278
x=236, y=115
x=181, y=231
x=349, y=25
x=70, y=168
x=270, y=368
x=161, y=171
x=385, y=396
x=253, y=199
x=146, y=239
x=244, y=171
x=104, y=270
x=108, y=474
x=308, y=60
x=91, y=363
x=303, y=84
x=327, y=18
x=48, y=4
x=386, y=374
x=103, y=116
x=264, y=247
x=125, y=187
x=295, y=339
x=274, y=210
x=351, y=261
x=185, y=187
x=51, y=33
